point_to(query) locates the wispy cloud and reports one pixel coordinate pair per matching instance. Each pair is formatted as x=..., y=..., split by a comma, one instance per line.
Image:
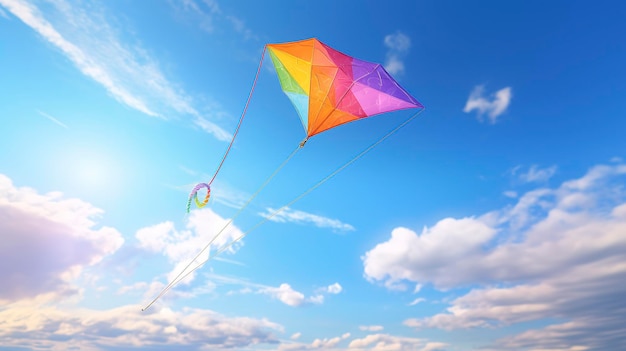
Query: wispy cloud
x=284, y=292
x=210, y=17
x=56, y=121
x=301, y=217
x=494, y=105
x=398, y=45
x=189, y=171
x=416, y=301
x=3, y=14
x=510, y=193
x=372, y=328
x=534, y=173
x=127, y=72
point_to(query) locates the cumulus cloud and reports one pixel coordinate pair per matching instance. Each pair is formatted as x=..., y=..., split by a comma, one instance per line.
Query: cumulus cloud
x=47, y=240
x=426, y=257
x=373, y=342
x=398, y=45
x=126, y=328
x=127, y=72
x=333, y=289
x=557, y=253
x=494, y=105
x=380, y=342
x=180, y=246
x=301, y=217
x=287, y=295
x=317, y=344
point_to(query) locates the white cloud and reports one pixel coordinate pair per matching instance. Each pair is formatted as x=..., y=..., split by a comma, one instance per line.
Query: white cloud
x=47, y=240
x=209, y=16
x=552, y=223
x=295, y=336
x=180, y=246
x=127, y=72
x=188, y=171
x=317, y=344
x=494, y=106
x=420, y=258
x=557, y=253
x=398, y=46
x=287, y=295
x=534, y=173
x=581, y=335
x=380, y=342
x=373, y=342
x=333, y=289
x=54, y=120
x=127, y=328
x=3, y=14
x=510, y=193
x=416, y=301
x=317, y=299
x=284, y=292
x=372, y=328
x=301, y=217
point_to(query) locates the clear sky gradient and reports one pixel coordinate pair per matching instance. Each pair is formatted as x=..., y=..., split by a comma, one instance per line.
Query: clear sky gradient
x=494, y=221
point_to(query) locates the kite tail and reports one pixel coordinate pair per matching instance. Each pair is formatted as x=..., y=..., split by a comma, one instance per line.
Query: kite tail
x=298, y=198
x=194, y=193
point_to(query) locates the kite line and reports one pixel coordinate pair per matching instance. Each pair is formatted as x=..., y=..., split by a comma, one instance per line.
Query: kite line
x=182, y=275
x=194, y=193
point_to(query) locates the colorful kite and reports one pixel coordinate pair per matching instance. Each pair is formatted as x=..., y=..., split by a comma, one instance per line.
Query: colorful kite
x=328, y=89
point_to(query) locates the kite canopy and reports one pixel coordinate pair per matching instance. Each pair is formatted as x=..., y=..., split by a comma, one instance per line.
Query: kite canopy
x=329, y=88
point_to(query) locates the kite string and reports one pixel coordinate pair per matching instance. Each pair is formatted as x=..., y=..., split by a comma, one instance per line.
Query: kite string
x=315, y=186
x=245, y=109
x=180, y=275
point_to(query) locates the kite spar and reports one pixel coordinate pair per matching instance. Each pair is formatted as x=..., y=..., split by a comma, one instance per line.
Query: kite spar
x=327, y=88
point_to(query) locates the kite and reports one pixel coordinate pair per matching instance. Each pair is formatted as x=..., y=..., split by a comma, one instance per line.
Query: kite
x=327, y=88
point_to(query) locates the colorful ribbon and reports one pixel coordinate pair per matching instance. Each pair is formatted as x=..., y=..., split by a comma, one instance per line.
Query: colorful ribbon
x=194, y=195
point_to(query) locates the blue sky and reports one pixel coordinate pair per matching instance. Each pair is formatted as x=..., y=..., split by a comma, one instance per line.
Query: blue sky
x=494, y=221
